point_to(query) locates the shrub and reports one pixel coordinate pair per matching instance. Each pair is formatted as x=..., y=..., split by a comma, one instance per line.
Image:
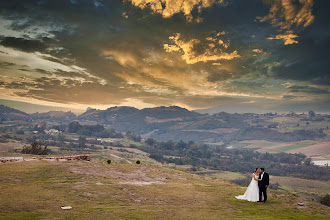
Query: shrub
x=19, y=132
x=243, y=181
x=138, y=162
x=326, y=200
x=108, y=161
x=274, y=186
x=35, y=148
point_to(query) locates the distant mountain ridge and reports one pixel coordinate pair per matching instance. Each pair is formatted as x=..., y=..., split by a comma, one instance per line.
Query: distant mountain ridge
x=176, y=123
x=7, y=113
x=54, y=115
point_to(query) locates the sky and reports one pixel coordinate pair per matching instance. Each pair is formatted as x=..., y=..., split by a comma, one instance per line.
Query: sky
x=209, y=55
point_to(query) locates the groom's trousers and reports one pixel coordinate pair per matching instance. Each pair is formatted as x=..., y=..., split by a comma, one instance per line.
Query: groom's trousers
x=262, y=191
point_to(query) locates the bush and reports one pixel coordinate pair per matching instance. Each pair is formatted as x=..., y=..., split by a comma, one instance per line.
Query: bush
x=138, y=162
x=35, y=148
x=243, y=181
x=274, y=186
x=325, y=200
x=19, y=132
x=108, y=161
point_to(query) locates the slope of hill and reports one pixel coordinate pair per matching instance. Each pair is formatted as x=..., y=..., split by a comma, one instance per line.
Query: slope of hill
x=96, y=190
x=7, y=113
x=140, y=121
x=55, y=115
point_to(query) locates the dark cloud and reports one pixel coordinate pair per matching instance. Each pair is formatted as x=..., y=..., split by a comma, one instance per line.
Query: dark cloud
x=308, y=89
x=288, y=97
x=23, y=44
x=122, y=46
x=5, y=65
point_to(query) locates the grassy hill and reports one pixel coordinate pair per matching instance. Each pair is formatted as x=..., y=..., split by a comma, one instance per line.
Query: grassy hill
x=96, y=190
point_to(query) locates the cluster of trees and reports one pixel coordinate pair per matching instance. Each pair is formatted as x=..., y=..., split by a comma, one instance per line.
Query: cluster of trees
x=93, y=130
x=132, y=136
x=35, y=148
x=235, y=160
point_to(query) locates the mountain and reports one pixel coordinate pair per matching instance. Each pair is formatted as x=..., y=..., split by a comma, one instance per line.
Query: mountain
x=165, y=123
x=11, y=114
x=59, y=116
x=140, y=121
x=32, y=108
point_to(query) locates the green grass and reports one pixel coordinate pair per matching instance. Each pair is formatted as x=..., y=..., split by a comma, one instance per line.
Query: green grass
x=239, y=144
x=263, y=145
x=37, y=190
x=290, y=147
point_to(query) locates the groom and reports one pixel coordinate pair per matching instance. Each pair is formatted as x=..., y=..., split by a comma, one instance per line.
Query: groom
x=263, y=184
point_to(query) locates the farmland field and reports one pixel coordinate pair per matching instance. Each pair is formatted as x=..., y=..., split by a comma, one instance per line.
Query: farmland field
x=290, y=147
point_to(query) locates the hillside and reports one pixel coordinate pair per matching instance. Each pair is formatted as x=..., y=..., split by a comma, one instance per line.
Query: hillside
x=176, y=123
x=140, y=121
x=97, y=190
x=58, y=116
x=11, y=114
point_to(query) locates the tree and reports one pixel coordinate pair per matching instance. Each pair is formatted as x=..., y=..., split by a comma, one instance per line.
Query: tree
x=150, y=142
x=74, y=127
x=326, y=200
x=311, y=114
x=35, y=148
x=308, y=161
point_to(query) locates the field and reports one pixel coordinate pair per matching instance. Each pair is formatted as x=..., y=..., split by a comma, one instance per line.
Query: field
x=303, y=187
x=317, y=150
x=97, y=190
x=290, y=147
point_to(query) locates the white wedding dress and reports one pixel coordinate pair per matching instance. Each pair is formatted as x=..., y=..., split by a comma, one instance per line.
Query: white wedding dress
x=252, y=192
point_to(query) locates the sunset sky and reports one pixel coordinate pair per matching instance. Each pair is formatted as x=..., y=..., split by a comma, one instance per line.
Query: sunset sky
x=232, y=55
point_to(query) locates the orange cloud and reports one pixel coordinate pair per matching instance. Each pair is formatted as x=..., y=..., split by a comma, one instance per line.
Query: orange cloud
x=207, y=51
x=288, y=38
x=258, y=50
x=167, y=8
x=122, y=57
x=288, y=14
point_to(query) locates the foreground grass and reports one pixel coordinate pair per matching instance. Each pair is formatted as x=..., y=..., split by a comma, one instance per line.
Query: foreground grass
x=95, y=190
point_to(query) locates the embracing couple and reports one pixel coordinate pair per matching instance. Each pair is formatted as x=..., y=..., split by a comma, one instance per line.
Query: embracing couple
x=257, y=189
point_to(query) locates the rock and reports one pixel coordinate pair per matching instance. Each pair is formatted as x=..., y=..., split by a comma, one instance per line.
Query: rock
x=301, y=204
x=66, y=207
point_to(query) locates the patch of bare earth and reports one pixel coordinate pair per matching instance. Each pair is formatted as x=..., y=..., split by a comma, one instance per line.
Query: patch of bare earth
x=272, y=149
x=136, y=176
x=320, y=150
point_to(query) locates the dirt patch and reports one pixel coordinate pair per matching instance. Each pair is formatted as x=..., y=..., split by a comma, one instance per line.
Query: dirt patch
x=139, y=176
x=140, y=183
x=320, y=150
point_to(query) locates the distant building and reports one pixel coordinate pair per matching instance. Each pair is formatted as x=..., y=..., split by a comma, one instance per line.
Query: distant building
x=51, y=131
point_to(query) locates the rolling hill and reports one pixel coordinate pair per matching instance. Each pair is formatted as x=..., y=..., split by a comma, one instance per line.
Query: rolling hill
x=96, y=190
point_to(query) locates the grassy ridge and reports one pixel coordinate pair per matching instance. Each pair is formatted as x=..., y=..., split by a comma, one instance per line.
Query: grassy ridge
x=37, y=190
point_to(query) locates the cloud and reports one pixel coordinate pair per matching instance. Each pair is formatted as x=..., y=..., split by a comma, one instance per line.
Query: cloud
x=23, y=44
x=289, y=15
x=308, y=89
x=288, y=38
x=195, y=50
x=124, y=58
x=167, y=8
x=258, y=50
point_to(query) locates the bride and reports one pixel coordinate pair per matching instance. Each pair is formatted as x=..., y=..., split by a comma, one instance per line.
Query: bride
x=252, y=192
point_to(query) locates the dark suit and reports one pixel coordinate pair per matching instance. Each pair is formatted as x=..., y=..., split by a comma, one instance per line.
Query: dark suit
x=262, y=186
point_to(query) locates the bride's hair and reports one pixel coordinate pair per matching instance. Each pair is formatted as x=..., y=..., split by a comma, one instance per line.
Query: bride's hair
x=256, y=169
